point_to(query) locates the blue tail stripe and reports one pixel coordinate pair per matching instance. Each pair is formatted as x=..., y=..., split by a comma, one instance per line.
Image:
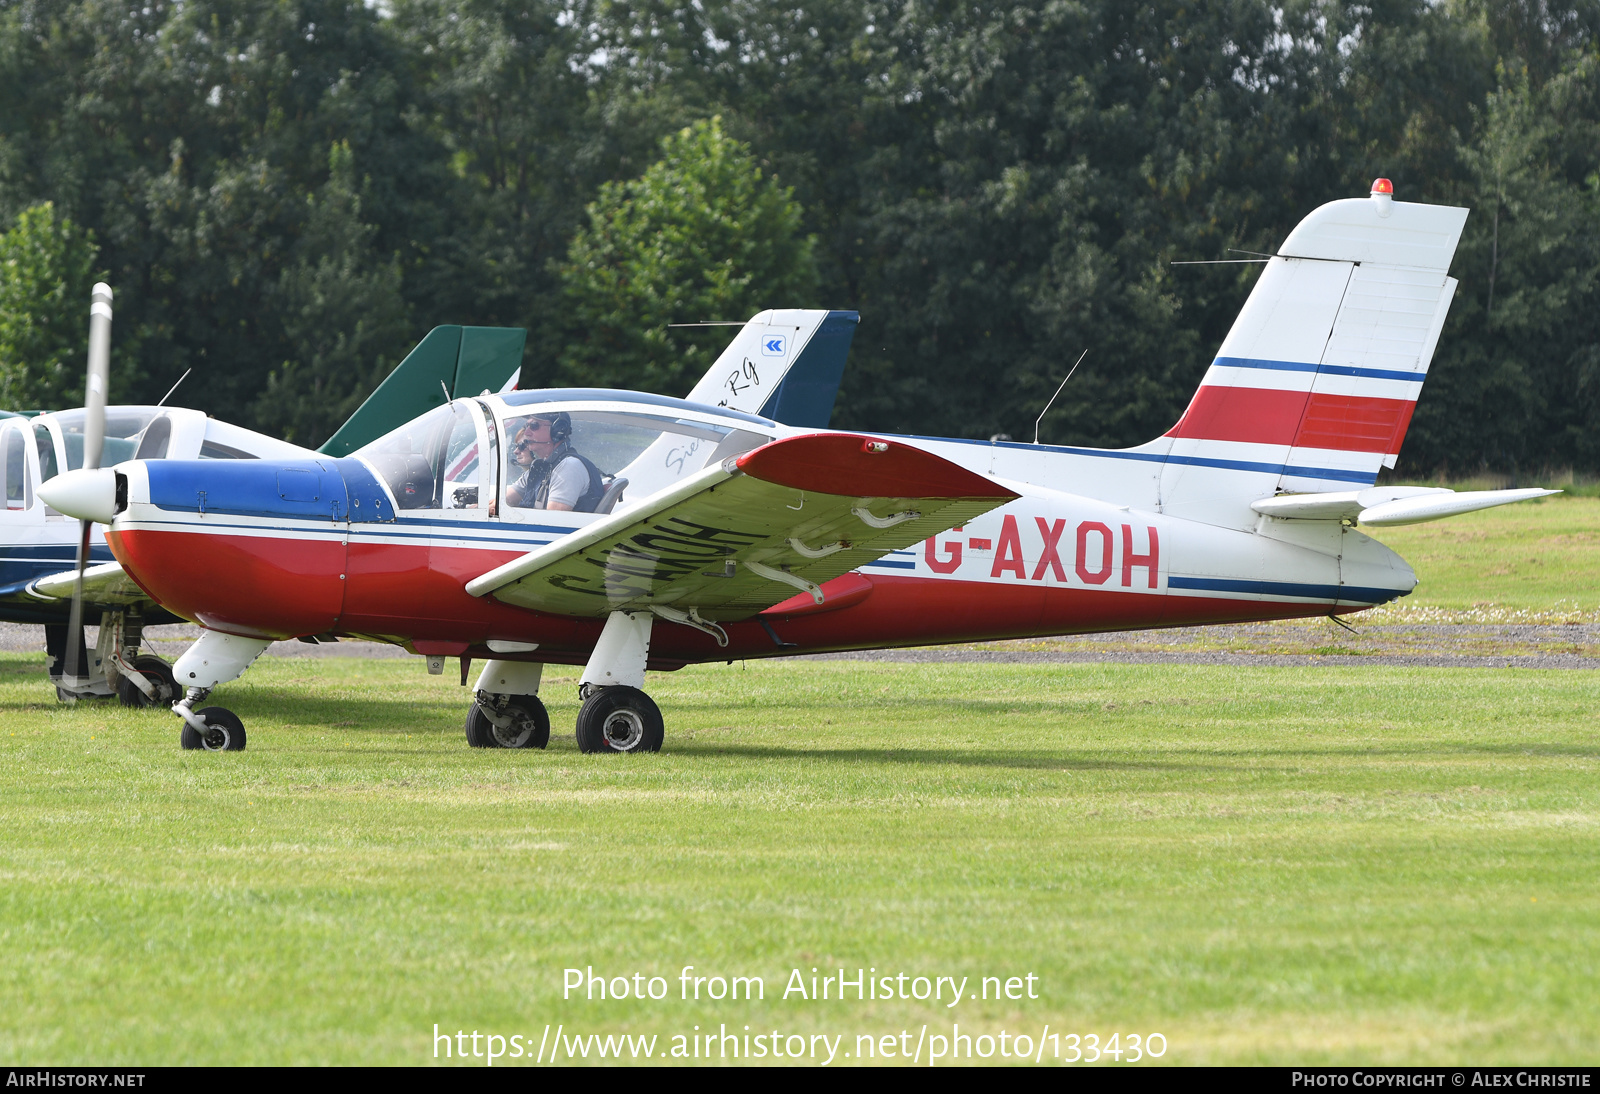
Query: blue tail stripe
x=1331, y=370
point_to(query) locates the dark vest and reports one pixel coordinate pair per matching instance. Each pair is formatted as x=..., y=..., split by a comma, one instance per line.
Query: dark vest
x=589, y=498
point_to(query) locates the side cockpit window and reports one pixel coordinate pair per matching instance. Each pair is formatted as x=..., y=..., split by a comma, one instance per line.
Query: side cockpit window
x=595, y=460
x=18, y=484
x=47, y=453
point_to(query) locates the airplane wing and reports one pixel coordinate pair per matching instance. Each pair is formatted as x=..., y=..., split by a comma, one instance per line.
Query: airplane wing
x=104, y=584
x=744, y=535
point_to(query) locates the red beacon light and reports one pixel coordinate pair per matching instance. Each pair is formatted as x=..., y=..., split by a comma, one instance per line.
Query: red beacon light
x=1383, y=196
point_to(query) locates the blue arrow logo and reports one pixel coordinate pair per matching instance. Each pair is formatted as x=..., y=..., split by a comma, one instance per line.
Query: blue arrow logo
x=773, y=347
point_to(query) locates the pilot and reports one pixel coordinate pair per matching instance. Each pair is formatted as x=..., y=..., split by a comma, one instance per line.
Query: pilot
x=554, y=476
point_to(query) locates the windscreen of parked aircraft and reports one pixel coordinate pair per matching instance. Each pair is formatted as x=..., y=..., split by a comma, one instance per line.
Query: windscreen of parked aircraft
x=123, y=427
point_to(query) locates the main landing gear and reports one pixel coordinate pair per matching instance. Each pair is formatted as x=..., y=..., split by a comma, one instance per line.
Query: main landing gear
x=114, y=667
x=617, y=716
x=508, y=721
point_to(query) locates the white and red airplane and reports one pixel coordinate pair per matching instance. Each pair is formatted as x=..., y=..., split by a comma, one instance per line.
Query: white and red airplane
x=723, y=534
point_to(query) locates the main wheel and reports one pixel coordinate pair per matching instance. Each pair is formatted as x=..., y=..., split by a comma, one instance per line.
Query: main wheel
x=529, y=728
x=224, y=731
x=619, y=719
x=159, y=675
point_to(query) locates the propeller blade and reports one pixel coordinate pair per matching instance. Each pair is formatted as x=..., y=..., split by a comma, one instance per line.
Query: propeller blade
x=94, y=437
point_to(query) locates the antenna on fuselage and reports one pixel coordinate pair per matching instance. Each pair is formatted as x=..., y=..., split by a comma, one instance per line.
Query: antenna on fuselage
x=1052, y=401
x=174, y=387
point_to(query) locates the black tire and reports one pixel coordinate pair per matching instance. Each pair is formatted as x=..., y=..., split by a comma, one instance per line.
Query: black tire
x=530, y=727
x=159, y=674
x=226, y=732
x=619, y=719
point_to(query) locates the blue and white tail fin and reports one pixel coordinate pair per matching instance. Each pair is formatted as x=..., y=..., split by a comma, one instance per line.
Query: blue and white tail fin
x=784, y=365
x=1314, y=387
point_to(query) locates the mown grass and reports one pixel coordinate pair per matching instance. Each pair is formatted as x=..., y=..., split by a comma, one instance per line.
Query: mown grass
x=1287, y=865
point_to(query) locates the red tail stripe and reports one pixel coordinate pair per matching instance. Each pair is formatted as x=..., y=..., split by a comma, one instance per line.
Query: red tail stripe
x=1254, y=414
x=1355, y=424
x=1349, y=423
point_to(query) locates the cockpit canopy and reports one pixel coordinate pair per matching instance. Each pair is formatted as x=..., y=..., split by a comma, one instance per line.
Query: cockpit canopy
x=642, y=442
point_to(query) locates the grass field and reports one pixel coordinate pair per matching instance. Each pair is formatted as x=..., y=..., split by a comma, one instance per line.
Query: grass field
x=1329, y=864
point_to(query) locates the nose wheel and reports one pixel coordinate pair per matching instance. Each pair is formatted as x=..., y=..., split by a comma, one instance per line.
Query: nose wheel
x=223, y=731
x=619, y=718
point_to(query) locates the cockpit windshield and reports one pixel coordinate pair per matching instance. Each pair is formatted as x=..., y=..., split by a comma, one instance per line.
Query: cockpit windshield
x=432, y=461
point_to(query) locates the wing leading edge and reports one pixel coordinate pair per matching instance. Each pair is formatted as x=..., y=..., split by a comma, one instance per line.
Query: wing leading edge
x=742, y=536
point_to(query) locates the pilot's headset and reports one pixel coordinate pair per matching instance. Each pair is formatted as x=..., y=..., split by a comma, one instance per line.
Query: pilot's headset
x=560, y=426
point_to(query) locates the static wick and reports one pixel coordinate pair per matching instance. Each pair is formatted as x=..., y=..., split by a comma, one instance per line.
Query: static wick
x=1052, y=401
x=174, y=387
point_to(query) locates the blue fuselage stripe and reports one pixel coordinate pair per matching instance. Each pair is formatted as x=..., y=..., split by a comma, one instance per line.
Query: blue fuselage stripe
x=1348, y=593
x=1333, y=474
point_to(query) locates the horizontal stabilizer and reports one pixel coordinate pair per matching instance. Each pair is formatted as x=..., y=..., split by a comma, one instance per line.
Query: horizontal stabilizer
x=1435, y=507
x=1389, y=506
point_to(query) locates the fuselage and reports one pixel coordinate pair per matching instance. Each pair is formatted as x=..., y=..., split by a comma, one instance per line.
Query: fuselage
x=292, y=548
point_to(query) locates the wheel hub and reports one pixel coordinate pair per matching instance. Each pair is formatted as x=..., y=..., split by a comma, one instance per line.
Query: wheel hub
x=215, y=739
x=514, y=735
x=624, y=729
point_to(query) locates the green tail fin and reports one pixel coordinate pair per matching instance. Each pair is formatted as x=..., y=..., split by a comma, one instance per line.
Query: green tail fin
x=463, y=360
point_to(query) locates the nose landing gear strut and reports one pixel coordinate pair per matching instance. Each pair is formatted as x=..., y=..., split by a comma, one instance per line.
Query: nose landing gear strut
x=215, y=659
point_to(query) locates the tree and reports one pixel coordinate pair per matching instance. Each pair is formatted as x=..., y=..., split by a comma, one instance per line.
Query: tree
x=46, y=273
x=1513, y=381
x=704, y=234
x=342, y=311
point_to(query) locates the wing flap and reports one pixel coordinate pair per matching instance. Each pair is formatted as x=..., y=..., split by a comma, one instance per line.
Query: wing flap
x=738, y=538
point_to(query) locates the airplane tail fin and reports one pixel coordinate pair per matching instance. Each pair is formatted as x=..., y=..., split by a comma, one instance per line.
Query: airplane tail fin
x=784, y=365
x=462, y=360
x=1314, y=387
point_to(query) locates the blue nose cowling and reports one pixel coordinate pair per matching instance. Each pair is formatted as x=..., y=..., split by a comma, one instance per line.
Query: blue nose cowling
x=326, y=489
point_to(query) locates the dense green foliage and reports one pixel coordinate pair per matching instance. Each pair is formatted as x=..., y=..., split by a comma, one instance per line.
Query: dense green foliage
x=288, y=194
x=703, y=233
x=46, y=272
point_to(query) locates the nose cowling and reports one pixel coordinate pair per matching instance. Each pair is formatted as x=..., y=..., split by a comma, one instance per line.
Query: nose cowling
x=248, y=547
x=83, y=494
